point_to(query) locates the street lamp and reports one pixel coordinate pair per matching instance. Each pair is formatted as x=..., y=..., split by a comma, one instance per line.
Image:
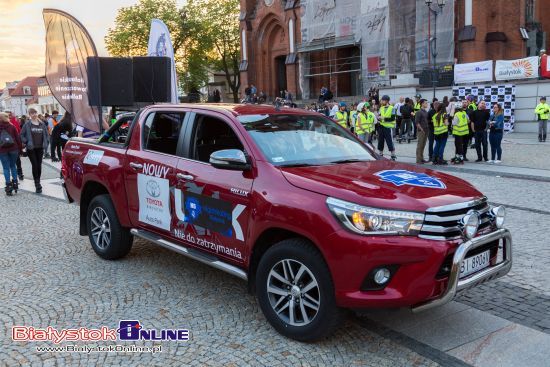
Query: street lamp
x=433, y=40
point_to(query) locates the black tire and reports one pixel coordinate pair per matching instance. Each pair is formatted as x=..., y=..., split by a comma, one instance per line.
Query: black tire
x=114, y=244
x=297, y=252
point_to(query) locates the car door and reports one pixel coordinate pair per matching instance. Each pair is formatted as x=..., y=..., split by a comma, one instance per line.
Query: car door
x=212, y=205
x=150, y=170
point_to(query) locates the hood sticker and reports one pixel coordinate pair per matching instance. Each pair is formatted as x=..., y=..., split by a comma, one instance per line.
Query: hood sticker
x=403, y=177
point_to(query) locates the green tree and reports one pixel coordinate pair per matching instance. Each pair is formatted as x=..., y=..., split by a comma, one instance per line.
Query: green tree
x=130, y=35
x=205, y=34
x=212, y=31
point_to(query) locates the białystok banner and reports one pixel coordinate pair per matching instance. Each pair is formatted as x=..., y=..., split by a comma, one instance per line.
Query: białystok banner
x=68, y=46
x=517, y=69
x=160, y=44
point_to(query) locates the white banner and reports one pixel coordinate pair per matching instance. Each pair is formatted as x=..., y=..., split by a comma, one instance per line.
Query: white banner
x=160, y=44
x=474, y=72
x=517, y=69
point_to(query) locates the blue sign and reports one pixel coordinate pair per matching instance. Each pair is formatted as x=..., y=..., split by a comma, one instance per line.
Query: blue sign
x=403, y=177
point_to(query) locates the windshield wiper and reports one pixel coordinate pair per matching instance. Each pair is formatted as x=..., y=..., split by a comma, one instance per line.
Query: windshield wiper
x=296, y=165
x=348, y=161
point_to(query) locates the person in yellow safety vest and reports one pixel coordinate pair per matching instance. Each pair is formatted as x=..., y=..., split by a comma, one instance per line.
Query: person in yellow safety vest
x=543, y=112
x=416, y=108
x=353, y=117
x=461, y=131
x=365, y=122
x=441, y=133
x=387, y=124
x=341, y=116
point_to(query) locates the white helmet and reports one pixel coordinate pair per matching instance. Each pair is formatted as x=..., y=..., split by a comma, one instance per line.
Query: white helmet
x=458, y=105
x=360, y=106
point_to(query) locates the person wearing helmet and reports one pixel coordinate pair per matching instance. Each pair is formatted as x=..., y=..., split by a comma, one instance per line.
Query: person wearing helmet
x=342, y=116
x=366, y=120
x=387, y=123
x=461, y=130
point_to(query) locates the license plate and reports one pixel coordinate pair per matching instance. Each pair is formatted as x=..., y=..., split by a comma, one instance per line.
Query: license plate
x=475, y=263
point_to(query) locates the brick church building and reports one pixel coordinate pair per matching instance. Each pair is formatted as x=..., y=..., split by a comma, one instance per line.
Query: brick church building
x=349, y=45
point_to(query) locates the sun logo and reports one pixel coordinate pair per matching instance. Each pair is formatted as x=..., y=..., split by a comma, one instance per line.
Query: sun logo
x=525, y=65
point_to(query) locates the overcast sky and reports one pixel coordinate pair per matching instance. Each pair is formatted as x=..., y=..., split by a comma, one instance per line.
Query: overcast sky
x=22, y=32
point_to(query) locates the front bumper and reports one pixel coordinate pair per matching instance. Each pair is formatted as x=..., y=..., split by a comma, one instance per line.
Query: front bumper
x=455, y=284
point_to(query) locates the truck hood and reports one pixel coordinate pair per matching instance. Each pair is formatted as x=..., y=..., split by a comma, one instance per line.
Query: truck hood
x=383, y=184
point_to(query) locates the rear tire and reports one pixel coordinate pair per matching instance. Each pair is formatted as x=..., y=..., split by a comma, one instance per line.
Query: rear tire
x=295, y=291
x=109, y=239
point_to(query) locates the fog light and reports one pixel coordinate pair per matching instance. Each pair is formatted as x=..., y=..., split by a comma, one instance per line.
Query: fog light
x=499, y=213
x=382, y=276
x=471, y=224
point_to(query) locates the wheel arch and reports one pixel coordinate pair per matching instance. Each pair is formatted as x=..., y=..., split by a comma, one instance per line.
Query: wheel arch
x=91, y=190
x=268, y=238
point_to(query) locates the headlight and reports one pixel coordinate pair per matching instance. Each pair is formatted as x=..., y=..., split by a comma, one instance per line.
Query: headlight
x=366, y=220
x=471, y=224
x=499, y=214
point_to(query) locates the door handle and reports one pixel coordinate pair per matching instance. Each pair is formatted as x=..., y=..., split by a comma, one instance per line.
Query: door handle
x=185, y=177
x=136, y=166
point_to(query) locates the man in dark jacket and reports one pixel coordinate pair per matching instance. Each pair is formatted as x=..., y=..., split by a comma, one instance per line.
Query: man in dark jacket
x=60, y=135
x=479, y=118
x=422, y=130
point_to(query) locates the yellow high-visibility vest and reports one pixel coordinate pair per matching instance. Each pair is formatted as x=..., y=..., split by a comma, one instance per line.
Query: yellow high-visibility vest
x=342, y=118
x=386, y=118
x=461, y=128
x=439, y=124
x=365, y=123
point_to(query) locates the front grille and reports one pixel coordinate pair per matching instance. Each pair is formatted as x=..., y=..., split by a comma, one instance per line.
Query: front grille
x=443, y=222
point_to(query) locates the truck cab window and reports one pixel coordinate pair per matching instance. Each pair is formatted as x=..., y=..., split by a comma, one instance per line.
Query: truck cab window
x=212, y=134
x=161, y=132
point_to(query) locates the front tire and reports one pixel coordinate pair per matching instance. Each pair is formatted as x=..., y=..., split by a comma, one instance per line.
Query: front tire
x=295, y=291
x=109, y=239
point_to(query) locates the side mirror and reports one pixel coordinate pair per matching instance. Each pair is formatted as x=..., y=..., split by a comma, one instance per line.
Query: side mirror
x=232, y=159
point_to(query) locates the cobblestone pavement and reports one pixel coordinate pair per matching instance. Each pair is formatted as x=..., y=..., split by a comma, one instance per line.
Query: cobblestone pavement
x=518, y=149
x=523, y=296
x=49, y=276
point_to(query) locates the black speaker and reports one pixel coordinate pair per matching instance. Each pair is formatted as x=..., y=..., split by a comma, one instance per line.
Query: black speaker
x=152, y=79
x=112, y=79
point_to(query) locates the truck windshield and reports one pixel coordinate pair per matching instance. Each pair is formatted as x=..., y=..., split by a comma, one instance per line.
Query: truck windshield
x=294, y=140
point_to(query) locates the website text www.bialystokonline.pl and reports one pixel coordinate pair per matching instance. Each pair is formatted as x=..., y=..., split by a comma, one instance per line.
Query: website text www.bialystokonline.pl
x=117, y=348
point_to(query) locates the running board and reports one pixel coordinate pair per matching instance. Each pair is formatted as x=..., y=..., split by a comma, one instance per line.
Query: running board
x=191, y=253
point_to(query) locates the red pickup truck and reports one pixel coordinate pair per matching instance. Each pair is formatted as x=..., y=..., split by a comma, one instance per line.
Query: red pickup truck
x=292, y=203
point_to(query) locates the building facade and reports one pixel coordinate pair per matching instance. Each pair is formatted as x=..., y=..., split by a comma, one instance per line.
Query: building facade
x=270, y=31
x=352, y=45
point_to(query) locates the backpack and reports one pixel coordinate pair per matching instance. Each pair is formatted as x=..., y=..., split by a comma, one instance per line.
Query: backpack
x=6, y=140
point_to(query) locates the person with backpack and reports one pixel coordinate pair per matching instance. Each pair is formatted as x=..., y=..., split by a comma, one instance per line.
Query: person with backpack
x=35, y=138
x=10, y=146
x=15, y=122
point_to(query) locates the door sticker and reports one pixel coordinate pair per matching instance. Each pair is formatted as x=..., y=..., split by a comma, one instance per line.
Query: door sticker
x=214, y=214
x=93, y=157
x=154, y=201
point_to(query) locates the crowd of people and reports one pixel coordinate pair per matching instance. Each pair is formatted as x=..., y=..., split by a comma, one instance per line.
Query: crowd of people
x=469, y=121
x=36, y=137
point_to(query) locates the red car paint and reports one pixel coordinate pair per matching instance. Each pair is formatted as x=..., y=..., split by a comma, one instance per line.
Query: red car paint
x=290, y=199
